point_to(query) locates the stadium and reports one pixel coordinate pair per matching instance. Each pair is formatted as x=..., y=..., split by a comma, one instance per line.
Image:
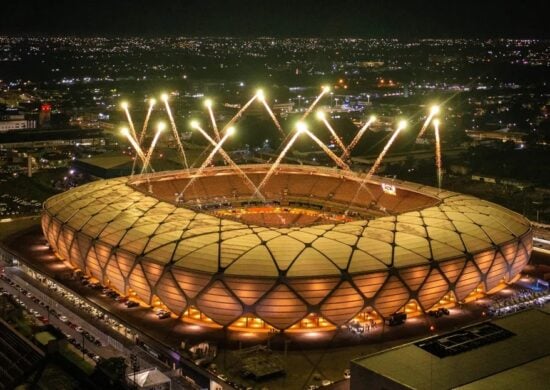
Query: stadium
x=319, y=249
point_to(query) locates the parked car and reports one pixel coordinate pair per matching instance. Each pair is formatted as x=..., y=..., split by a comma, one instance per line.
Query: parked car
x=131, y=303
x=163, y=314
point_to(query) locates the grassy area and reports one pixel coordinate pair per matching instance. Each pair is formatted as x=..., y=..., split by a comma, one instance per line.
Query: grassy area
x=44, y=337
x=24, y=326
x=76, y=358
x=9, y=228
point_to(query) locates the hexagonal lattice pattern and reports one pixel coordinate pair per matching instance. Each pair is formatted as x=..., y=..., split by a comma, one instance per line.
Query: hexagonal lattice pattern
x=226, y=269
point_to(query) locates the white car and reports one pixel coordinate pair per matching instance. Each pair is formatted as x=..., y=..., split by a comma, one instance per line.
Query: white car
x=79, y=329
x=63, y=319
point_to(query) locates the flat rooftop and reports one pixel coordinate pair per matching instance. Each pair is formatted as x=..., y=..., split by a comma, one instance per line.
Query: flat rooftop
x=508, y=361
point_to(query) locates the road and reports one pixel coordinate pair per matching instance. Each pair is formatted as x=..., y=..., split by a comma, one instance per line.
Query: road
x=71, y=305
x=104, y=351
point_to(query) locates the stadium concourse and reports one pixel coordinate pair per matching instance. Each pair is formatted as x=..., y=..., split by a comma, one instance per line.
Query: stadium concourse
x=321, y=249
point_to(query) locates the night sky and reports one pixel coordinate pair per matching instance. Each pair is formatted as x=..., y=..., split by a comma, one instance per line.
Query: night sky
x=367, y=18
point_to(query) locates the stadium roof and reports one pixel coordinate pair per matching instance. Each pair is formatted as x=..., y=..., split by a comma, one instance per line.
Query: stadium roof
x=123, y=217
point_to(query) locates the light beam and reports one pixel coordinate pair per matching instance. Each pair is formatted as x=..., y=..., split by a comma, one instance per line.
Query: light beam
x=160, y=128
x=152, y=103
x=317, y=99
x=402, y=124
x=322, y=117
x=124, y=106
x=208, y=105
x=164, y=98
x=261, y=98
x=230, y=131
x=438, y=153
x=300, y=128
x=124, y=131
x=329, y=152
x=195, y=125
x=357, y=138
x=239, y=114
x=433, y=111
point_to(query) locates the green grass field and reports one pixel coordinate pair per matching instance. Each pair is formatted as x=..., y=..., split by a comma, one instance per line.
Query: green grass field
x=69, y=353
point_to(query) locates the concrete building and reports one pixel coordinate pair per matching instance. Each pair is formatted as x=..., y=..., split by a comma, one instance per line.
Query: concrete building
x=521, y=360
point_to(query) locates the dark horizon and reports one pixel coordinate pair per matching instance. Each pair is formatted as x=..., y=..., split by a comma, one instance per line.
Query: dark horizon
x=414, y=19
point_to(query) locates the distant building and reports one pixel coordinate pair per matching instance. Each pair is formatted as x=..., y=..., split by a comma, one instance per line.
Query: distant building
x=283, y=108
x=37, y=138
x=45, y=115
x=16, y=122
x=499, y=135
x=109, y=166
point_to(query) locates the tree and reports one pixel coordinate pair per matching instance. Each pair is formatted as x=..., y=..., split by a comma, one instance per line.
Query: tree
x=110, y=373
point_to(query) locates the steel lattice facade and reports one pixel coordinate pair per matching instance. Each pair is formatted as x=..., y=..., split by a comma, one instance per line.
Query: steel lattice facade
x=433, y=243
